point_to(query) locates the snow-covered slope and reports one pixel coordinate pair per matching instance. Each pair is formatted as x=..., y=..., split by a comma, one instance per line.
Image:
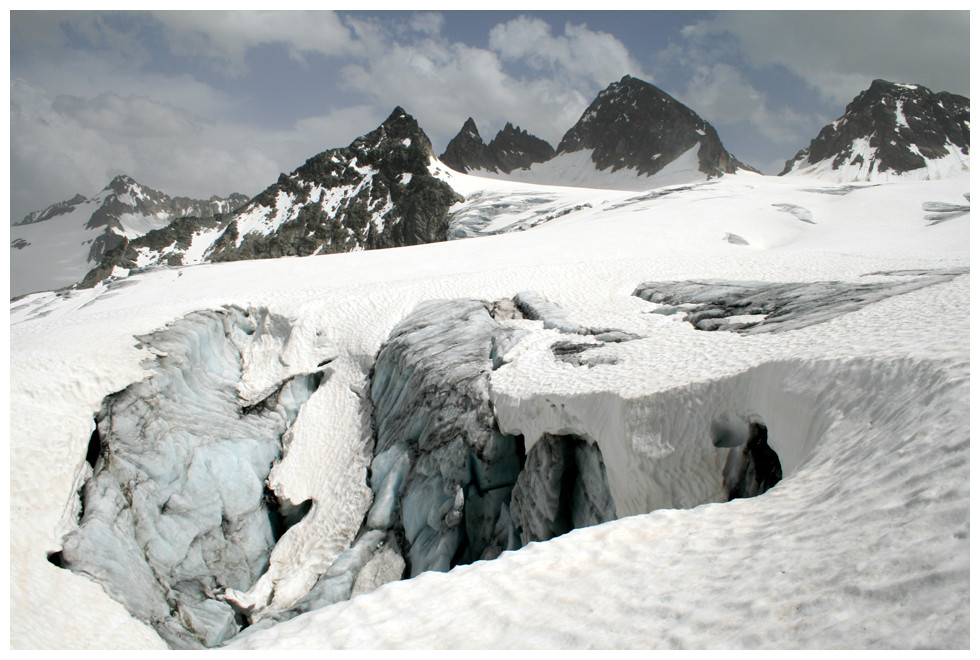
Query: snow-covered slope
x=858, y=372
x=891, y=131
x=578, y=169
x=56, y=246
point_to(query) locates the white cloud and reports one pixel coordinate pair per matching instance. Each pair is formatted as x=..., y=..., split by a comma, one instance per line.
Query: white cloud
x=87, y=74
x=69, y=144
x=442, y=83
x=427, y=22
x=839, y=53
x=225, y=36
x=722, y=95
x=580, y=53
x=127, y=117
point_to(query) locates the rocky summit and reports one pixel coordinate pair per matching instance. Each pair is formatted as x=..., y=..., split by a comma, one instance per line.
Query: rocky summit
x=126, y=209
x=517, y=149
x=56, y=246
x=511, y=149
x=375, y=193
x=467, y=151
x=633, y=124
x=888, y=130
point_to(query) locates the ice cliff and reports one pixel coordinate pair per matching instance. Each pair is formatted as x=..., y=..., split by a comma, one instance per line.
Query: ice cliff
x=177, y=509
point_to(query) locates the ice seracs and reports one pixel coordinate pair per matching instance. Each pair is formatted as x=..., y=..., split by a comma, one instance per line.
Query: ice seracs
x=178, y=510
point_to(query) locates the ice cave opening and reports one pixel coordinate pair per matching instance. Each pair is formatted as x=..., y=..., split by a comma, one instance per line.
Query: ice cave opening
x=452, y=488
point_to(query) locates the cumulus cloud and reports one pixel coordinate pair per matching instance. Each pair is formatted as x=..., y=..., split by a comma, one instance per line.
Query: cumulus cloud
x=426, y=22
x=722, y=95
x=128, y=117
x=839, y=53
x=68, y=144
x=579, y=53
x=225, y=36
x=442, y=82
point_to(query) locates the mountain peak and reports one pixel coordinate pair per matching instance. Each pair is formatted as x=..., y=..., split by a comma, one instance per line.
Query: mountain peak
x=396, y=113
x=510, y=149
x=633, y=124
x=469, y=126
x=120, y=183
x=891, y=129
x=879, y=85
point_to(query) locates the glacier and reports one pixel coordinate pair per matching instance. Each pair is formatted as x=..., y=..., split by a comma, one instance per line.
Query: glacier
x=177, y=509
x=628, y=437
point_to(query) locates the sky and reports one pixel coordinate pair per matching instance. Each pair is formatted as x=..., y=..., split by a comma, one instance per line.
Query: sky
x=201, y=103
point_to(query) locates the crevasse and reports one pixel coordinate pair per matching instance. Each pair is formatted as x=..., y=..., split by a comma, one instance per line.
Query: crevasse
x=177, y=509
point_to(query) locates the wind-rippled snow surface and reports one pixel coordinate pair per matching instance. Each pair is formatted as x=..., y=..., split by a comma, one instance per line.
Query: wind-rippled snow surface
x=549, y=342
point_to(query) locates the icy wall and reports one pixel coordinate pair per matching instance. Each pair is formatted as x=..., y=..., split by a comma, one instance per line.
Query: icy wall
x=451, y=488
x=563, y=487
x=179, y=521
x=177, y=509
x=443, y=473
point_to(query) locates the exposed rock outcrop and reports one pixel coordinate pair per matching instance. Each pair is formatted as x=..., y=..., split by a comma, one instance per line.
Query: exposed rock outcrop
x=511, y=149
x=889, y=130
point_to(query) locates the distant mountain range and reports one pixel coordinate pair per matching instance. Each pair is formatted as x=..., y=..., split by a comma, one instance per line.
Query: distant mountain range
x=375, y=193
x=384, y=190
x=58, y=245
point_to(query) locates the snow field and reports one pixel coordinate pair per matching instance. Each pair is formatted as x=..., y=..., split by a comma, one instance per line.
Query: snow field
x=868, y=413
x=577, y=169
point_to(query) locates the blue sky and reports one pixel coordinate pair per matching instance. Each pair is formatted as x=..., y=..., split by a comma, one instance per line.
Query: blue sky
x=202, y=103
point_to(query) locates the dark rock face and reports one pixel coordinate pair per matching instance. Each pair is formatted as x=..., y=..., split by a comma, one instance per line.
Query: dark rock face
x=176, y=236
x=52, y=211
x=511, y=149
x=633, y=124
x=516, y=149
x=375, y=193
x=904, y=125
x=467, y=151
